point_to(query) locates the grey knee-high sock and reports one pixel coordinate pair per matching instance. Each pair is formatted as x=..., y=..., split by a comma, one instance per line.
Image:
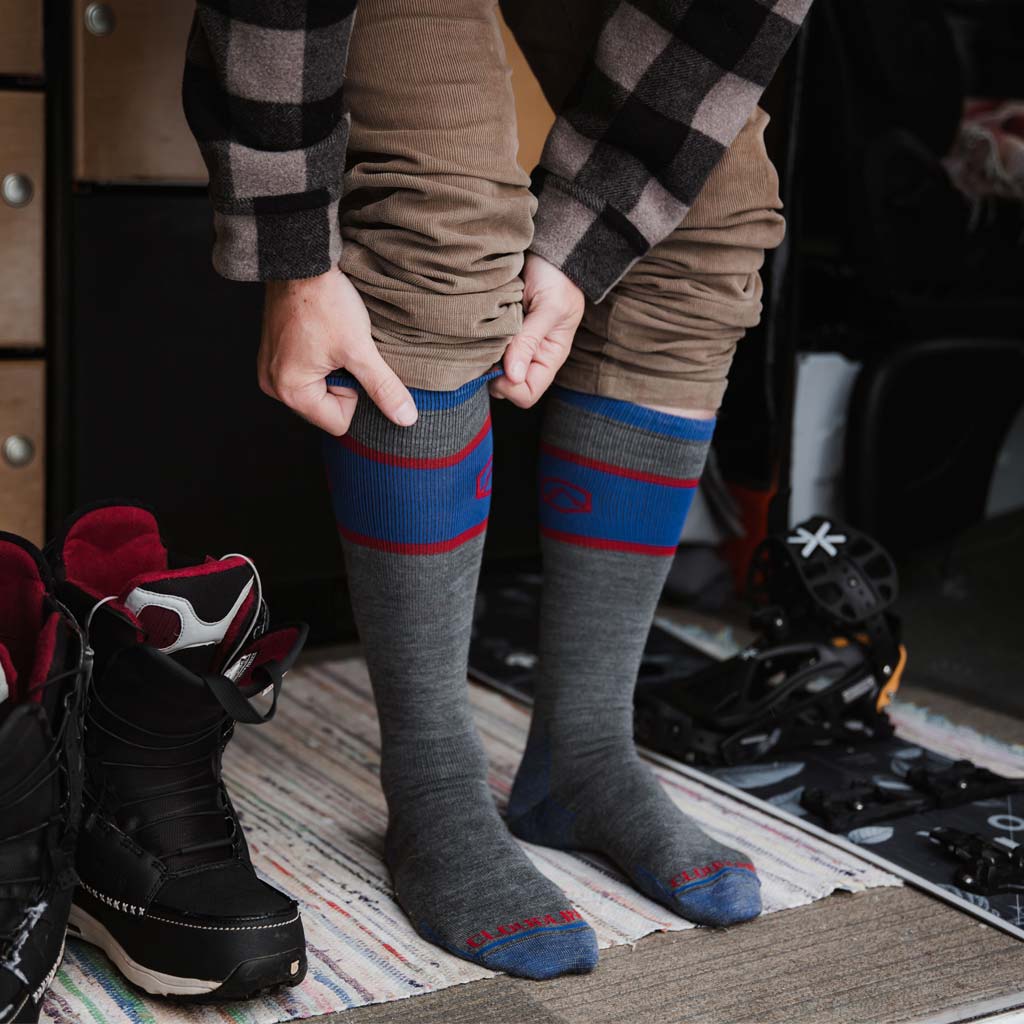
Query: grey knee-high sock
x=412, y=505
x=616, y=481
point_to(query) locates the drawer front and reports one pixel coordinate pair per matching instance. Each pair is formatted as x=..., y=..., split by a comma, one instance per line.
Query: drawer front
x=22, y=447
x=129, y=57
x=21, y=37
x=21, y=218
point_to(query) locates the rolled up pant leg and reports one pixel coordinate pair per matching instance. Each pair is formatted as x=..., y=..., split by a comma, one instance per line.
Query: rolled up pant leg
x=437, y=212
x=666, y=334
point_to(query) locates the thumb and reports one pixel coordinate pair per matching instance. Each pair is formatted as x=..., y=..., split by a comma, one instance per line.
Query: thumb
x=382, y=385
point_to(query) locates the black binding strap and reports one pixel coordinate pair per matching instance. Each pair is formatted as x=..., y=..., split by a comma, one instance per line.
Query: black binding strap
x=240, y=707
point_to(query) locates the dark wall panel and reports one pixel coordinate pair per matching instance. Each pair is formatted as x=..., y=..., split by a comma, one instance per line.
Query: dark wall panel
x=166, y=409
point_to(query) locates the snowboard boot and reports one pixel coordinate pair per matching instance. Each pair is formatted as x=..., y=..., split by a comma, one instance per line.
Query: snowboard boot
x=166, y=885
x=43, y=674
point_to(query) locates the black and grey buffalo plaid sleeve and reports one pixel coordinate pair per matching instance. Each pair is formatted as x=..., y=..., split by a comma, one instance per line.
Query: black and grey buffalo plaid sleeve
x=670, y=85
x=263, y=96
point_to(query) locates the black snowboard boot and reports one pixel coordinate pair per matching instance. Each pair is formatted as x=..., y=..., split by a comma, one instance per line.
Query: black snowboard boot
x=43, y=674
x=166, y=886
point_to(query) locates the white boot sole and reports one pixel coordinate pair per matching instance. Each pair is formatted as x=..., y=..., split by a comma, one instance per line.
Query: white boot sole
x=84, y=926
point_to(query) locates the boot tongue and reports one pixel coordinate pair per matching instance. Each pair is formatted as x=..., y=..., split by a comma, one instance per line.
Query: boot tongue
x=196, y=615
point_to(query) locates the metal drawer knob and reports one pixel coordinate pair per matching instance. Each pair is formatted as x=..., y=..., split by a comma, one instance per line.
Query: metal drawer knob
x=18, y=450
x=99, y=19
x=17, y=189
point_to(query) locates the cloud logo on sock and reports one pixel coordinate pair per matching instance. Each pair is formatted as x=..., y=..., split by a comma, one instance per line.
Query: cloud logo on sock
x=563, y=496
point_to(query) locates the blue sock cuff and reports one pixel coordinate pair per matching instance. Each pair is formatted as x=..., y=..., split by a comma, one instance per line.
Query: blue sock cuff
x=426, y=401
x=679, y=427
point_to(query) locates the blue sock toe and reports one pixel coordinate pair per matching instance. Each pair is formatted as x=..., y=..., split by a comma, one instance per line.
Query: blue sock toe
x=571, y=949
x=729, y=896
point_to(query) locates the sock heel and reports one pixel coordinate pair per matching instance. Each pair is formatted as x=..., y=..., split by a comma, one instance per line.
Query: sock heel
x=532, y=813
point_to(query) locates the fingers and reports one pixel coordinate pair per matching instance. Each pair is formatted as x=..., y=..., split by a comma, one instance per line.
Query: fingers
x=537, y=325
x=311, y=327
x=539, y=378
x=382, y=385
x=329, y=409
x=347, y=399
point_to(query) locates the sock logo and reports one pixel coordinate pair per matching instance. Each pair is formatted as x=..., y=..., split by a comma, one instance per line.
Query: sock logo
x=563, y=917
x=705, y=870
x=172, y=624
x=564, y=496
x=483, y=479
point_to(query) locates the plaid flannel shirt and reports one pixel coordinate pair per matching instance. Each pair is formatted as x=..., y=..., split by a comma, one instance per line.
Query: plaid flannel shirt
x=670, y=85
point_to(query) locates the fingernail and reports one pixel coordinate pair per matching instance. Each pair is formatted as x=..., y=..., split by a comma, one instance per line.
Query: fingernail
x=406, y=414
x=517, y=372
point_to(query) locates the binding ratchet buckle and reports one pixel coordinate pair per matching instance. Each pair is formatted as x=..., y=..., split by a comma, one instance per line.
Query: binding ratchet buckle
x=987, y=866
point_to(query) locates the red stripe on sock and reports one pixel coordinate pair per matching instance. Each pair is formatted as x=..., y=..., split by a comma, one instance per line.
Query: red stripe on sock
x=398, y=548
x=607, y=545
x=406, y=462
x=607, y=467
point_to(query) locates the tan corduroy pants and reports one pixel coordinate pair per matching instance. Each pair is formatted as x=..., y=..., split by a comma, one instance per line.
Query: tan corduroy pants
x=437, y=215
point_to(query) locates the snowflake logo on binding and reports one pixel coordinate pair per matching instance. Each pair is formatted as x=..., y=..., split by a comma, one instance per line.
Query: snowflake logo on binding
x=821, y=538
x=483, y=479
x=564, y=496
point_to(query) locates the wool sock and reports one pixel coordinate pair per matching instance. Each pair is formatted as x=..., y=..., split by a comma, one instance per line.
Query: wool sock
x=616, y=481
x=412, y=506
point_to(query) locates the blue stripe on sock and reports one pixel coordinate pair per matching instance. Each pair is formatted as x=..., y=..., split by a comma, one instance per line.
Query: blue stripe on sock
x=426, y=401
x=639, y=416
x=592, y=504
x=405, y=506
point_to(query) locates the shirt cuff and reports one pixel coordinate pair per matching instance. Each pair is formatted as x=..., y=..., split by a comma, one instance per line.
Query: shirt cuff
x=274, y=245
x=581, y=234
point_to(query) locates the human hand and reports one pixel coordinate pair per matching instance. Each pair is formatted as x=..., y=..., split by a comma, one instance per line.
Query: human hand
x=314, y=326
x=554, y=308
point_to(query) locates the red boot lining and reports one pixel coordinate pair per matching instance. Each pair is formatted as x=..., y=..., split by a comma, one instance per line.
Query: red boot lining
x=110, y=546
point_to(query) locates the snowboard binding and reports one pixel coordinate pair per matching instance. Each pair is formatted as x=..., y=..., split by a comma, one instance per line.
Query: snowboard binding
x=823, y=670
x=862, y=803
x=865, y=802
x=986, y=867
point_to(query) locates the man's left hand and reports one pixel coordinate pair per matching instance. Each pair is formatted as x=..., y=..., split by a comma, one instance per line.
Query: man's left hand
x=554, y=308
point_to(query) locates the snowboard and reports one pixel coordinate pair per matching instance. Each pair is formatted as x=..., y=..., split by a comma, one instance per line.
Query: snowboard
x=815, y=788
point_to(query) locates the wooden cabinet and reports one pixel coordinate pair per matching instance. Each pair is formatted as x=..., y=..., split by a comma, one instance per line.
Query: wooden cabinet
x=129, y=125
x=21, y=37
x=22, y=177
x=22, y=447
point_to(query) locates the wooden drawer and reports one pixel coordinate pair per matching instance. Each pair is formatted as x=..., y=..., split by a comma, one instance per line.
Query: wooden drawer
x=21, y=218
x=21, y=37
x=129, y=125
x=22, y=447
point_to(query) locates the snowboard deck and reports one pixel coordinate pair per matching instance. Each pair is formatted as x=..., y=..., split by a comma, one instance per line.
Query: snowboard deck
x=504, y=655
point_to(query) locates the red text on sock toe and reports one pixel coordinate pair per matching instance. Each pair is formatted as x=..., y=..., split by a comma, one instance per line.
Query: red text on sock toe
x=704, y=870
x=482, y=938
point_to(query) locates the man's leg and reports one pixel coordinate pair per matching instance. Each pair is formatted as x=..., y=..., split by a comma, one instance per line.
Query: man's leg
x=437, y=212
x=435, y=223
x=625, y=438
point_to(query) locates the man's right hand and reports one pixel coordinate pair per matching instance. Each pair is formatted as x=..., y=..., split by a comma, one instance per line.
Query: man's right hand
x=312, y=327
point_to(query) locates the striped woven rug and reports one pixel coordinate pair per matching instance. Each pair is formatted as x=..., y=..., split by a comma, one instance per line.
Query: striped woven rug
x=306, y=788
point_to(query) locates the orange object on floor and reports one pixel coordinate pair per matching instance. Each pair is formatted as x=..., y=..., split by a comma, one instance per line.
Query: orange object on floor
x=753, y=507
